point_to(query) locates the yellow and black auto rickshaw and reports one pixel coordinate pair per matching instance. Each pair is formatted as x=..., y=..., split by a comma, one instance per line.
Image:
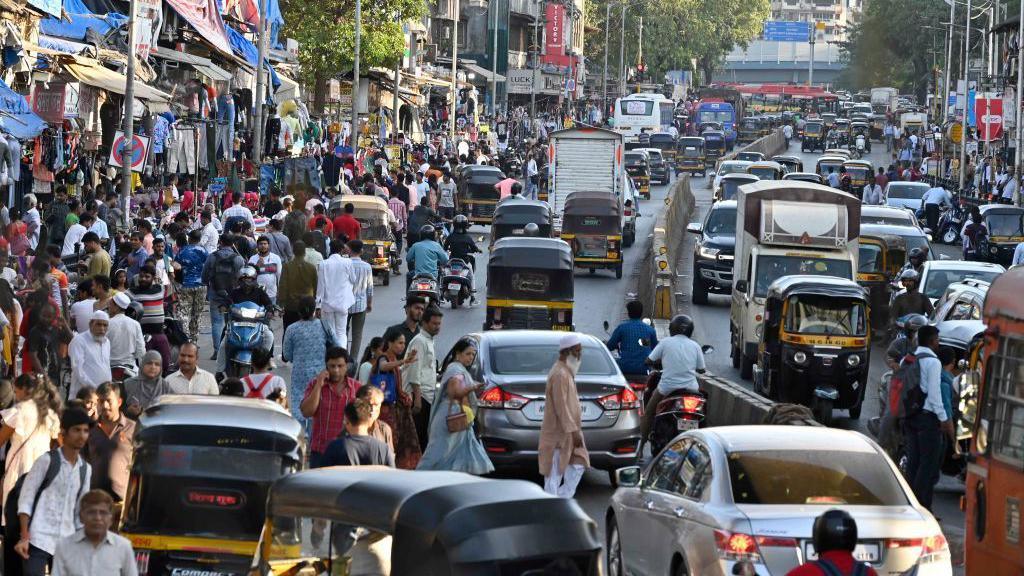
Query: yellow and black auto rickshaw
x=861, y=172
x=880, y=260
x=638, y=167
x=815, y=344
x=790, y=163
x=714, y=144
x=826, y=164
x=201, y=471
x=690, y=155
x=814, y=136
x=529, y=284
x=750, y=129
x=477, y=194
x=592, y=225
x=1005, y=225
x=374, y=218
x=513, y=215
x=767, y=170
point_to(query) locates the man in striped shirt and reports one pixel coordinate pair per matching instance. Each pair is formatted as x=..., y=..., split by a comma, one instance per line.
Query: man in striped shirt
x=151, y=295
x=363, y=289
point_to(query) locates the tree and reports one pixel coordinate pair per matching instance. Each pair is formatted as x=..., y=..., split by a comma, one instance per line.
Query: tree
x=326, y=36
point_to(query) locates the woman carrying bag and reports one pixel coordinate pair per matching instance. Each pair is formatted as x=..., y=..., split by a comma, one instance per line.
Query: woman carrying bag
x=453, y=444
x=397, y=408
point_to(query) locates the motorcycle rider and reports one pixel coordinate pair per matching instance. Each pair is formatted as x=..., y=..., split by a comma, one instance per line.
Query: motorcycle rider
x=248, y=290
x=860, y=145
x=426, y=256
x=912, y=301
x=460, y=245
x=915, y=260
x=634, y=339
x=906, y=341
x=835, y=538
x=681, y=360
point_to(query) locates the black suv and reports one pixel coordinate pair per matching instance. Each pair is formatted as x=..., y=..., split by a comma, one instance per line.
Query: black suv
x=713, y=251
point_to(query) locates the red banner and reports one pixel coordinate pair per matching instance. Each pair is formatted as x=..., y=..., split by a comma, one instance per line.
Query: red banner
x=988, y=115
x=554, y=36
x=205, y=18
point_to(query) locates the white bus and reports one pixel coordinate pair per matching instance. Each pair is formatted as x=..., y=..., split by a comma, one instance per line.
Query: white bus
x=647, y=111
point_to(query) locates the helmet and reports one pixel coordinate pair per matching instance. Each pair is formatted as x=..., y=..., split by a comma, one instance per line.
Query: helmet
x=917, y=254
x=531, y=229
x=909, y=274
x=681, y=324
x=461, y=223
x=426, y=231
x=834, y=530
x=247, y=272
x=134, y=310
x=911, y=322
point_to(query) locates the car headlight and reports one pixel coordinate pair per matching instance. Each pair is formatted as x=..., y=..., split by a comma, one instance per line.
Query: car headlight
x=800, y=357
x=853, y=360
x=710, y=253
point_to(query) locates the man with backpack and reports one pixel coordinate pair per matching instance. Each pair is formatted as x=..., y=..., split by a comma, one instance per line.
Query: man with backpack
x=835, y=538
x=924, y=417
x=52, y=488
x=219, y=274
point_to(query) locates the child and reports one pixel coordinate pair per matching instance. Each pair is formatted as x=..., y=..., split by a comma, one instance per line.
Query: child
x=373, y=349
x=262, y=381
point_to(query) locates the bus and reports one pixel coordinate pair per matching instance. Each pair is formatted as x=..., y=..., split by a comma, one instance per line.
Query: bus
x=644, y=112
x=721, y=112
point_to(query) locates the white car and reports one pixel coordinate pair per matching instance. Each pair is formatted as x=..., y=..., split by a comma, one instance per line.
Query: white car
x=727, y=495
x=905, y=194
x=937, y=275
x=729, y=167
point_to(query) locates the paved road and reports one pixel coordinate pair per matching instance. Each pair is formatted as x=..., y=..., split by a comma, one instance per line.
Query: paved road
x=712, y=322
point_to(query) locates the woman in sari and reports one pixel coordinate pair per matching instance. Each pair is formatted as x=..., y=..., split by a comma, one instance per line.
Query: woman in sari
x=456, y=450
x=397, y=408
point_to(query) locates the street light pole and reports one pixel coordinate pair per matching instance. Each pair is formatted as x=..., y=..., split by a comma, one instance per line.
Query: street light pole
x=604, y=75
x=622, y=54
x=1016, y=111
x=494, y=62
x=963, y=145
x=949, y=63
x=455, y=84
x=129, y=109
x=355, y=77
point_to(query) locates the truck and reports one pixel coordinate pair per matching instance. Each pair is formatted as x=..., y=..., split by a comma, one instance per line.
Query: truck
x=915, y=121
x=784, y=228
x=584, y=159
x=884, y=100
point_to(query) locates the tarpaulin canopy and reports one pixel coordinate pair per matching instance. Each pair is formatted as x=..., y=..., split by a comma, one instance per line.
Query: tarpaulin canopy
x=62, y=45
x=81, y=20
x=90, y=72
x=289, y=89
x=248, y=50
x=16, y=116
x=203, y=65
x=204, y=16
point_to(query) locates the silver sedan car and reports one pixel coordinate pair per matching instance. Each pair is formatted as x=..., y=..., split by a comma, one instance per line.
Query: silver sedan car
x=722, y=496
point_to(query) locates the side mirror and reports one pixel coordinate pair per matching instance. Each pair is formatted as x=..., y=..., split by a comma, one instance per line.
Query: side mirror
x=962, y=364
x=628, y=477
x=694, y=227
x=740, y=286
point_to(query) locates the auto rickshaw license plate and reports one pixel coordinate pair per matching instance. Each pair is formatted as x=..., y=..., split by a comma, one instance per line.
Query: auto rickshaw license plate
x=686, y=425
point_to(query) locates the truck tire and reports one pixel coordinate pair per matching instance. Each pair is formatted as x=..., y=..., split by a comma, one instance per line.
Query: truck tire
x=746, y=367
x=700, y=291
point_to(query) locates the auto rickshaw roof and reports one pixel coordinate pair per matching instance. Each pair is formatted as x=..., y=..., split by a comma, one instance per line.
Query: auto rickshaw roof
x=196, y=411
x=890, y=240
x=828, y=159
x=482, y=174
x=742, y=176
x=585, y=203
x=690, y=140
x=663, y=137
x=1000, y=209
x=531, y=252
x=1003, y=297
x=362, y=202
x=786, y=158
x=440, y=520
x=765, y=164
x=858, y=164
x=513, y=207
x=809, y=284
x=804, y=177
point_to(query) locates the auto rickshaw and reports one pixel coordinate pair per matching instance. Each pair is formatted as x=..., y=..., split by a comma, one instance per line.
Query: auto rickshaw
x=841, y=152
x=829, y=119
x=477, y=194
x=714, y=145
x=639, y=169
x=666, y=143
x=880, y=259
x=815, y=345
x=790, y=163
x=513, y=214
x=200, y=473
x=861, y=172
x=690, y=156
x=374, y=218
x=767, y=170
x=592, y=225
x=529, y=284
x=750, y=129
x=825, y=162
x=814, y=136
x=1005, y=225
x=805, y=177
x=379, y=520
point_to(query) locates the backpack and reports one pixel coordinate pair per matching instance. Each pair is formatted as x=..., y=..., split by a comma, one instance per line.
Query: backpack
x=906, y=397
x=829, y=569
x=256, y=391
x=11, y=505
x=224, y=272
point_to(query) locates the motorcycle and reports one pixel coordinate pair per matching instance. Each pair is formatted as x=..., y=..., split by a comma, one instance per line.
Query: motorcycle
x=511, y=163
x=424, y=286
x=244, y=330
x=951, y=222
x=858, y=148
x=455, y=282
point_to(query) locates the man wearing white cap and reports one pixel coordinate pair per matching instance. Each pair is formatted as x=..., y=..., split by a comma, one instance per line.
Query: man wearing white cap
x=127, y=345
x=89, y=353
x=562, y=454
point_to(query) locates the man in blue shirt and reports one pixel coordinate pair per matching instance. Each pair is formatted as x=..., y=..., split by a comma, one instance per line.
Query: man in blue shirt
x=634, y=340
x=192, y=296
x=923, y=431
x=137, y=257
x=425, y=256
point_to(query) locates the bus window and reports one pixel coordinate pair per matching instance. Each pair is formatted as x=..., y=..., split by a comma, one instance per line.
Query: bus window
x=1005, y=390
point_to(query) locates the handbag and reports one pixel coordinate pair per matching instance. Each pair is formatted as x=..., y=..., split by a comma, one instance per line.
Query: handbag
x=457, y=419
x=387, y=383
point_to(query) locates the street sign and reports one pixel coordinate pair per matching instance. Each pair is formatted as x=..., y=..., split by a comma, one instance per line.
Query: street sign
x=140, y=150
x=956, y=133
x=786, y=31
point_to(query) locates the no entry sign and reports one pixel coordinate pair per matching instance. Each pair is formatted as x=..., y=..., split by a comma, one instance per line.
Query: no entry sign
x=140, y=151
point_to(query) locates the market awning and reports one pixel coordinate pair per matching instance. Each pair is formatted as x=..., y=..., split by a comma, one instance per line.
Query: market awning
x=16, y=116
x=289, y=89
x=479, y=71
x=93, y=74
x=204, y=65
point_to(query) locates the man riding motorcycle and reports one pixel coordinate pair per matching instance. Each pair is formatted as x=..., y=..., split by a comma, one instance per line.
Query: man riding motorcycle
x=460, y=245
x=634, y=339
x=915, y=260
x=834, y=537
x=248, y=290
x=912, y=301
x=425, y=256
x=681, y=360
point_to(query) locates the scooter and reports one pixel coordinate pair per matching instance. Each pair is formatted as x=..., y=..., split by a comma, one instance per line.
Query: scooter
x=678, y=412
x=455, y=282
x=951, y=222
x=244, y=332
x=424, y=286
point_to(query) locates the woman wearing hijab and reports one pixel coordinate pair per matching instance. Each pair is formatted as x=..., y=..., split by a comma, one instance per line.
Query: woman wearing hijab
x=143, y=390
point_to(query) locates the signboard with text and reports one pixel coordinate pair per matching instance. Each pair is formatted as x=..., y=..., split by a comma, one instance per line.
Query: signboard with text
x=519, y=81
x=554, y=36
x=48, y=100
x=989, y=118
x=787, y=31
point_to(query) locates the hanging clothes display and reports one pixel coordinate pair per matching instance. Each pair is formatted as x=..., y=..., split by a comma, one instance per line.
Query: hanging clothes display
x=226, y=129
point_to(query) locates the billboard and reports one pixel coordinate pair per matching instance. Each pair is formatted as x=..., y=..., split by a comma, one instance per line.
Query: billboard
x=988, y=113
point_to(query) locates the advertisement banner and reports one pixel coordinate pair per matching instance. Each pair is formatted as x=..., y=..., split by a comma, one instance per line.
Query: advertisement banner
x=48, y=100
x=205, y=18
x=971, y=97
x=554, y=36
x=989, y=117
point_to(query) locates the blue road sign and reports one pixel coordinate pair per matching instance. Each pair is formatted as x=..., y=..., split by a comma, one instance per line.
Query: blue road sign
x=786, y=31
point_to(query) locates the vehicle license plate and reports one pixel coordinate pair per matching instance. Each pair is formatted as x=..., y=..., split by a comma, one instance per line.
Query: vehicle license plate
x=454, y=286
x=863, y=552
x=589, y=410
x=687, y=424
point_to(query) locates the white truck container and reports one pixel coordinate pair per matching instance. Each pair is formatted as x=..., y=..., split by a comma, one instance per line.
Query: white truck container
x=583, y=159
x=785, y=228
x=884, y=100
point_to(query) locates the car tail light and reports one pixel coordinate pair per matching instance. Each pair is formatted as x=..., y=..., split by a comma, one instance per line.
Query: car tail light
x=737, y=546
x=498, y=398
x=625, y=399
x=932, y=547
x=142, y=562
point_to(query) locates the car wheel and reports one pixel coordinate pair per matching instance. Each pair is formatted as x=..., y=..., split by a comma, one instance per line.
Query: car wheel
x=700, y=291
x=614, y=559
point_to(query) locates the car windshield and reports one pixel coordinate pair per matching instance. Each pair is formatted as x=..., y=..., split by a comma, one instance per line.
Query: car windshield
x=890, y=218
x=800, y=477
x=1004, y=224
x=906, y=191
x=820, y=315
x=771, y=268
x=937, y=281
x=870, y=259
x=721, y=222
x=635, y=159
x=764, y=173
x=538, y=358
x=732, y=168
x=691, y=152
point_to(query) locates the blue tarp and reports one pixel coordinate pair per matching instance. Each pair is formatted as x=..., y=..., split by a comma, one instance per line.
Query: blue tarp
x=16, y=117
x=248, y=50
x=82, y=19
x=276, y=22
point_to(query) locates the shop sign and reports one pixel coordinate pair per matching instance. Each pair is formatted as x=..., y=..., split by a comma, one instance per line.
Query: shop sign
x=48, y=100
x=989, y=117
x=520, y=81
x=554, y=36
